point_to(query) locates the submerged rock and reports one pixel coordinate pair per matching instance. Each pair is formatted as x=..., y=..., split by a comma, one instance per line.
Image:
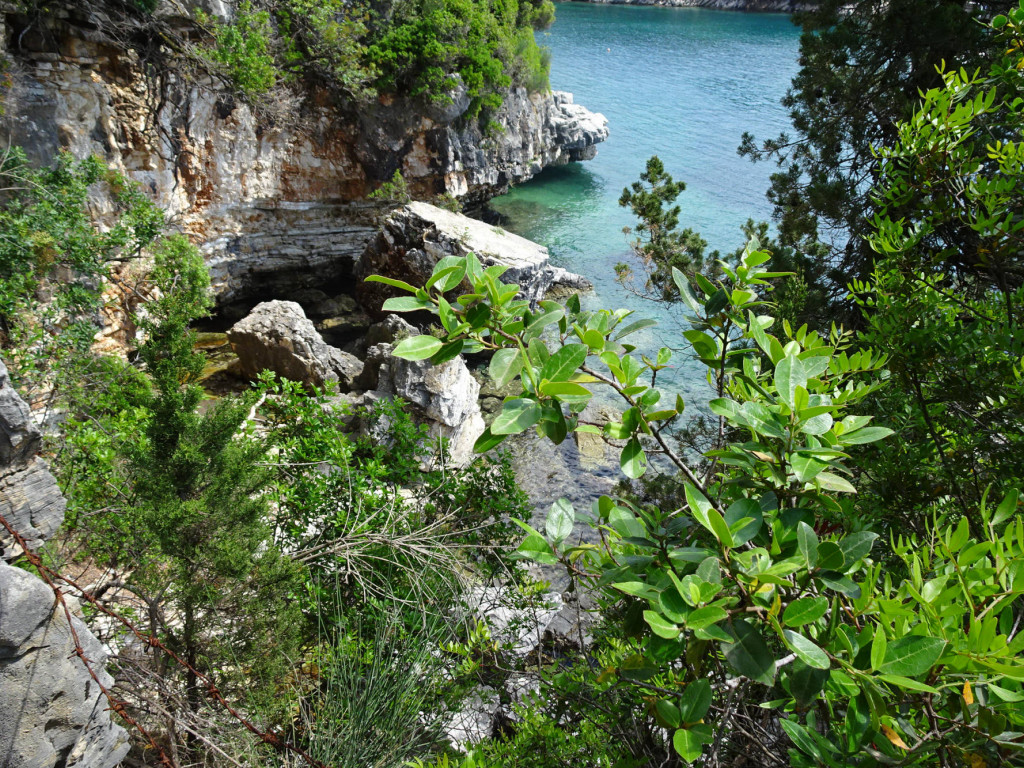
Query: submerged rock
x=277, y=336
x=414, y=238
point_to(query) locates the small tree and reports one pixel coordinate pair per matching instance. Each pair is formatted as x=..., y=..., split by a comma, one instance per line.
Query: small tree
x=659, y=246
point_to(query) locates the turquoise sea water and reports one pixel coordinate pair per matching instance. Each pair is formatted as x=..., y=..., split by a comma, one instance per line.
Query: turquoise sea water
x=682, y=83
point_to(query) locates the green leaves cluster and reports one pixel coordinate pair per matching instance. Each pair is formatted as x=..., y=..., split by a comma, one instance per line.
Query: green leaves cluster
x=428, y=48
x=409, y=48
x=51, y=248
x=755, y=579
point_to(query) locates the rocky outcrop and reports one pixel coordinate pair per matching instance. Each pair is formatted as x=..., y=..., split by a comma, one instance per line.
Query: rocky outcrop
x=52, y=712
x=414, y=238
x=277, y=336
x=446, y=396
x=30, y=500
x=536, y=131
x=276, y=204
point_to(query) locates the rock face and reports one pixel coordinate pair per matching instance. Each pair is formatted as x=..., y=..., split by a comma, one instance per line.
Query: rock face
x=538, y=130
x=446, y=396
x=274, y=204
x=277, y=336
x=52, y=713
x=414, y=238
x=29, y=497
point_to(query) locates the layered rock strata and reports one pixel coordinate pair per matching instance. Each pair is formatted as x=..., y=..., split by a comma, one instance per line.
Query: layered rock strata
x=52, y=712
x=414, y=238
x=275, y=204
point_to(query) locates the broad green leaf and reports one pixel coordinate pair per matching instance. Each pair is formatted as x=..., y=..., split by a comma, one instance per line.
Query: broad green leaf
x=487, y=441
x=840, y=583
x=806, y=650
x=594, y=339
x=702, y=618
x=749, y=655
x=564, y=389
x=417, y=348
x=673, y=606
x=801, y=738
x=865, y=435
x=790, y=373
x=725, y=408
x=535, y=548
x=660, y=626
x=805, y=683
x=668, y=713
x=856, y=546
x=699, y=505
x=805, y=466
x=560, y=521
x=720, y=528
x=912, y=655
x=807, y=542
x=695, y=701
x=633, y=460
x=804, y=611
x=761, y=420
x=563, y=364
x=833, y=482
x=448, y=351
x=505, y=366
x=639, y=325
x=406, y=304
x=908, y=684
x=689, y=742
x=392, y=282
x=830, y=556
x=516, y=415
x=636, y=667
x=741, y=510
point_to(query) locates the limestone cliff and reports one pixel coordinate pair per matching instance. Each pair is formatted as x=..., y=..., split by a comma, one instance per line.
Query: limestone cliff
x=276, y=206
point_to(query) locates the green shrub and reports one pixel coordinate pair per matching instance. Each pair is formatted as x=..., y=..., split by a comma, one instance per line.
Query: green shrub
x=243, y=47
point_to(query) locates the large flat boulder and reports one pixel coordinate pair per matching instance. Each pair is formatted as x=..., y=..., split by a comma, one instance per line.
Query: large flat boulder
x=415, y=237
x=277, y=336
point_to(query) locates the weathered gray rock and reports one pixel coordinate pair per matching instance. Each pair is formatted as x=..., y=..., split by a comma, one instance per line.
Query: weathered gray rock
x=277, y=336
x=29, y=497
x=445, y=396
x=414, y=238
x=52, y=713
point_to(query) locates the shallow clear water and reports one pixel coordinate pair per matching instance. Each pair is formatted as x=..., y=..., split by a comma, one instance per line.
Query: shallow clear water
x=682, y=83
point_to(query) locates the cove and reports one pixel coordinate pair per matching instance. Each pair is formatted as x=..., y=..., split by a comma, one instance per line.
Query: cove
x=681, y=83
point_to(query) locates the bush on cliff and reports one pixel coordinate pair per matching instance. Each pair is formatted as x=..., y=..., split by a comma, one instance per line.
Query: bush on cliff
x=409, y=48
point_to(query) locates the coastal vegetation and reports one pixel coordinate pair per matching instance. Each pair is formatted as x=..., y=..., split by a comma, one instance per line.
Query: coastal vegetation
x=823, y=565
